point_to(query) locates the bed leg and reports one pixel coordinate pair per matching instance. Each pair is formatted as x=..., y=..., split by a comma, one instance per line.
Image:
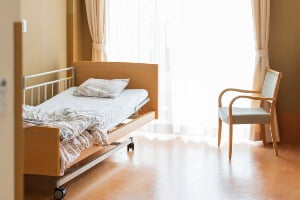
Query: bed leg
x=130, y=145
x=60, y=193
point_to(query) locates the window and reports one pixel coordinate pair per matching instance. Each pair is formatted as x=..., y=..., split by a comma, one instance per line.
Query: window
x=201, y=47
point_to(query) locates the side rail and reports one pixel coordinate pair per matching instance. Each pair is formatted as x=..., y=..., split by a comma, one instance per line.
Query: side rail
x=34, y=94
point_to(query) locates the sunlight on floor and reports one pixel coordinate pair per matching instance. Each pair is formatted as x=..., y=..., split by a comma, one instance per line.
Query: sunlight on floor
x=212, y=141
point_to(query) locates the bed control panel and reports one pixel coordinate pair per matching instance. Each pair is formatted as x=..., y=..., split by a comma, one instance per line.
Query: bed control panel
x=3, y=91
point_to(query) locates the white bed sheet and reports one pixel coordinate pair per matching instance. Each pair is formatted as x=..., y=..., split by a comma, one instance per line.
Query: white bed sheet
x=127, y=103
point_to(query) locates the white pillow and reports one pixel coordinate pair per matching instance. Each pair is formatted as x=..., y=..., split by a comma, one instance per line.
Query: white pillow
x=101, y=88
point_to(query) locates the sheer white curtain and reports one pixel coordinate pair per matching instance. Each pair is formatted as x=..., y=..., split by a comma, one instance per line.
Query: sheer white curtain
x=95, y=10
x=201, y=47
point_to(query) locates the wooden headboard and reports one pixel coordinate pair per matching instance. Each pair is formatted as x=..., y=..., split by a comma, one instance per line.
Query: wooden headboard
x=142, y=76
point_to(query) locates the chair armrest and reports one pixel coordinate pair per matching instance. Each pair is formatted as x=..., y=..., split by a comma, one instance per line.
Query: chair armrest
x=248, y=97
x=234, y=90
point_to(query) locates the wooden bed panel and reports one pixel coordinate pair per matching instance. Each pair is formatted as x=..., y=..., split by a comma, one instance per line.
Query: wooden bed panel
x=41, y=151
x=141, y=76
x=130, y=126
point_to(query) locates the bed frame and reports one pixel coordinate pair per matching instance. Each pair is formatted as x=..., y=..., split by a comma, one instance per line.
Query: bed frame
x=41, y=144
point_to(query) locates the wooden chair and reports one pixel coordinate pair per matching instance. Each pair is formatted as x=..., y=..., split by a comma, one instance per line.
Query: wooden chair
x=235, y=115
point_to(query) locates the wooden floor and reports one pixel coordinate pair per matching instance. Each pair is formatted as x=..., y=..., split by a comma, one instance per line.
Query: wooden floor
x=168, y=167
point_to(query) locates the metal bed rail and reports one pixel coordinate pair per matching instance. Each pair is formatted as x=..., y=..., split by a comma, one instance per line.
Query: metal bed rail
x=36, y=90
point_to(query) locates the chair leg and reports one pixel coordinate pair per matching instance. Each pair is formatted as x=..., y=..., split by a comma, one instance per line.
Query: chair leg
x=274, y=139
x=219, y=132
x=263, y=133
x=230, y=141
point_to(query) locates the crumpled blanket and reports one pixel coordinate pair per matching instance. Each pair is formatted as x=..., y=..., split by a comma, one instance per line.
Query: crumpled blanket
x=70, y=122
x=70, y=150
x=78, y=130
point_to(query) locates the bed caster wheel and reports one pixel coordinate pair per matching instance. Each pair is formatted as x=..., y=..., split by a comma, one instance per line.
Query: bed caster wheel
x=60, y=193
x=130, y=146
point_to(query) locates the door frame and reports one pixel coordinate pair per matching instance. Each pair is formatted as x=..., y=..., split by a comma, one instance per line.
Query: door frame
x=18, y=101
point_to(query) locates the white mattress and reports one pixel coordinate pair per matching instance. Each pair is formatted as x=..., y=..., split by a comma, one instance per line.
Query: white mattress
x=128, y=102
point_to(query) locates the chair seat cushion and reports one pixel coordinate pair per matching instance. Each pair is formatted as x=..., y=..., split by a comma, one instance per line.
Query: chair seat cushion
x=245, y=115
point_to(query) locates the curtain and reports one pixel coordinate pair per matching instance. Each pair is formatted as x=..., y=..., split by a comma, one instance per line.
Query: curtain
x=261, y=18
x=95, y=10
x=201, y=47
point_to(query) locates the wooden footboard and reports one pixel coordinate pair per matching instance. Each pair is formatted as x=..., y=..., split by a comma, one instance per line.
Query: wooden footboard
x=42, y=155
x=41, y=151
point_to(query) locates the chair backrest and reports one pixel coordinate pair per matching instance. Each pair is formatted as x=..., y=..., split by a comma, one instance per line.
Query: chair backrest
x=271, y=83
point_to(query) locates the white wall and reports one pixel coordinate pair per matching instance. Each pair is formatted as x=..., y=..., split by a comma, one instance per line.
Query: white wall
x=9, y=13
